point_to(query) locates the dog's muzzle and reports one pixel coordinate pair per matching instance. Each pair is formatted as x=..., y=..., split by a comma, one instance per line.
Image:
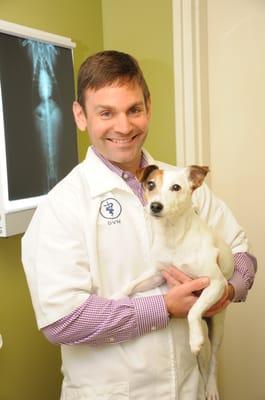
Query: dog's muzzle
x=156, y=207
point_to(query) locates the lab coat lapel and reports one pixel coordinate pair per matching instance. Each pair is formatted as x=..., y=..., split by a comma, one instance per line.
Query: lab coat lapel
x=100, y=178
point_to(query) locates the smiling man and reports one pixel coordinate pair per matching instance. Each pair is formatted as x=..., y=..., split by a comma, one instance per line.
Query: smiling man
x=91, y=236
x=116, y=118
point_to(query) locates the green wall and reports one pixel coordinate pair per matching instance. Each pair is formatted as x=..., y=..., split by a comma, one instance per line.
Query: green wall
x=144, y=29
x=29, y=365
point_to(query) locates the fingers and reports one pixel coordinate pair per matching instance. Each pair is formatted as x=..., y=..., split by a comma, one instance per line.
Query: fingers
x=231, y=292
x=186, y=290
x=220, y=305
x=195, y=285
x=174, y=276
x=217, y=308
x=180, y=298
x=170, y=280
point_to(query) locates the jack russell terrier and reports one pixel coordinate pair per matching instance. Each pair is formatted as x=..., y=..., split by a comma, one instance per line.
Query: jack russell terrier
x=183, y=239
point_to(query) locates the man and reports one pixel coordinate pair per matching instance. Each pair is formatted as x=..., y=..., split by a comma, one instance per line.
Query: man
x=90, y=237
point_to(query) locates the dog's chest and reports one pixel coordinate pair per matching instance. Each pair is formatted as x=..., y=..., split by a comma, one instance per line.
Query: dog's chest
x=184, y=256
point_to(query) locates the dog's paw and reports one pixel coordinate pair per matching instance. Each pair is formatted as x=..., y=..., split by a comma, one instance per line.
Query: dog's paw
x=196, y=343
x=212, y=396
x=212, y=391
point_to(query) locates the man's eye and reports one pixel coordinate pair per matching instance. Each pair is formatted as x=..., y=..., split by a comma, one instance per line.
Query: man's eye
x=151, y=185
x=136, y=111
x=175, y=188
x=105, y=114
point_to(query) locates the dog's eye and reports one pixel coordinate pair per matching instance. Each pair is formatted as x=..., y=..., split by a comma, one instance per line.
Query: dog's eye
x=151, y=185
x=175, y=188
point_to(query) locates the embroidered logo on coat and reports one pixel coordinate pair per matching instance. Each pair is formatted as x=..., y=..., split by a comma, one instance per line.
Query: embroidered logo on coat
x=110, y=208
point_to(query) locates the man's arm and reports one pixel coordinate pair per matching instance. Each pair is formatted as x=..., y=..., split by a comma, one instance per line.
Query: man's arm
x=102, y=321
x=99, y=321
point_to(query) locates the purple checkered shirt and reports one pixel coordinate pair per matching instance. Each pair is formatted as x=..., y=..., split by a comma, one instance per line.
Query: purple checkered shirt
x=99, y=320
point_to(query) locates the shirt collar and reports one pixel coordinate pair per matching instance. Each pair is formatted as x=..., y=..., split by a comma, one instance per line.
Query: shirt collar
x=117, y=170
x=101, y=176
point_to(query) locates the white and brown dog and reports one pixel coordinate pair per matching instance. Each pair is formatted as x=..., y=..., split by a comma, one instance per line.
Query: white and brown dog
x=183, y=239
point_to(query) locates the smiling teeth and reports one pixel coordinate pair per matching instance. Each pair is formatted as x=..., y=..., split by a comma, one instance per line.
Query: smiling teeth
x=121, y=141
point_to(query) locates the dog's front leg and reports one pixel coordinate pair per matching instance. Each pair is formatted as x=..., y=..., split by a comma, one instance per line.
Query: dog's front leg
x=208, y=298
x=147, y=281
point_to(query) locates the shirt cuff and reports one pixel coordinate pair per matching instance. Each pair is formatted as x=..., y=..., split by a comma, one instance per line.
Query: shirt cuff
x=151, y=313
x=239, y=286
x=244, y=274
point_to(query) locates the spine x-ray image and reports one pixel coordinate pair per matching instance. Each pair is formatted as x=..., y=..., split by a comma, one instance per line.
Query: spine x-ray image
x=37, y=94
x=47, y=113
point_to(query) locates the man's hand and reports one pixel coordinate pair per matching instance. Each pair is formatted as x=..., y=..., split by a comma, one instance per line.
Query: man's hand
x=223, y=302
x=180, y=297
x=184, y=291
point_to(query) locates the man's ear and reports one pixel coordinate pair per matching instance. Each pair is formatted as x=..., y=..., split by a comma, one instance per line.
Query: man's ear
x=143, y=173
x=196, y=175
x=80, y=116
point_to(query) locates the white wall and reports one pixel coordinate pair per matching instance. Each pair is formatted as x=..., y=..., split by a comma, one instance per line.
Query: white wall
x=236, y=54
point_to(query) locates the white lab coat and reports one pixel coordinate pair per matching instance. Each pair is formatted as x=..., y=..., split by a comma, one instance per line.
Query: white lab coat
x=91, y=235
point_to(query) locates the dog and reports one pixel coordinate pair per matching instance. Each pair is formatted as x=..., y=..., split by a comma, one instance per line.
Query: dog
x=183, y=239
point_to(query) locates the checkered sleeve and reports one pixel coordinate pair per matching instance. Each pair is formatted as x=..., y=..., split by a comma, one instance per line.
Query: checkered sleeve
x=244, y=274
x=99, y=321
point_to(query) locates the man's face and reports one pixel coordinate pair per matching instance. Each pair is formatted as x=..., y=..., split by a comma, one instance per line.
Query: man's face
x=116, y=119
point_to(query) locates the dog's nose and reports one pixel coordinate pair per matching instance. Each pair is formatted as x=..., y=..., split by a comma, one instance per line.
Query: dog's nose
x=156, y=207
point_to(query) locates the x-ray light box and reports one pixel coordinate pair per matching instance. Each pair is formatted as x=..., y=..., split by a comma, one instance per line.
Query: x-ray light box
x=38, y=144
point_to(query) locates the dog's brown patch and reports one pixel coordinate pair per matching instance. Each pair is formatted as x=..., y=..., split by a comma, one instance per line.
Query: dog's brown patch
x=156, y=177
x=197, y=175
x=147, y=174
x=143, y=173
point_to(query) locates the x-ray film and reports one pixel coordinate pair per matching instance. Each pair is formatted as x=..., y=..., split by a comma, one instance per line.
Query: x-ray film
x=37, y=86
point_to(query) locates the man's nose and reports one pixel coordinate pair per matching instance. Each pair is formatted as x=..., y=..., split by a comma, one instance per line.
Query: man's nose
x=123, y=124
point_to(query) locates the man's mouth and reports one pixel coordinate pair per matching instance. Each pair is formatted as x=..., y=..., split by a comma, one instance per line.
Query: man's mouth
x=122, y=141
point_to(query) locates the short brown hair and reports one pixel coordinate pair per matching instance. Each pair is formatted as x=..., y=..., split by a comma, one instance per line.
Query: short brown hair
x=107, y=67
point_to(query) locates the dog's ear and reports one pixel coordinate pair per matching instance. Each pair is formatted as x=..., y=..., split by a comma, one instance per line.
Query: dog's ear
x=196, y=175
x=143, y=173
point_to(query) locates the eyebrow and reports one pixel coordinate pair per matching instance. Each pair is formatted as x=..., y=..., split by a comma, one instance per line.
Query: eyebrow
x=102, y=106
x=109, y=107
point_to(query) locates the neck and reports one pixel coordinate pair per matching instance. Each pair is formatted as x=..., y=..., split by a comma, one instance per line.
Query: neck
x=174, y=227
x=117, y=167
x=128, y=167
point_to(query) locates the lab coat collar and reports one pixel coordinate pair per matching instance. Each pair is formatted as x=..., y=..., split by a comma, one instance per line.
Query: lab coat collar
x=100, y=178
